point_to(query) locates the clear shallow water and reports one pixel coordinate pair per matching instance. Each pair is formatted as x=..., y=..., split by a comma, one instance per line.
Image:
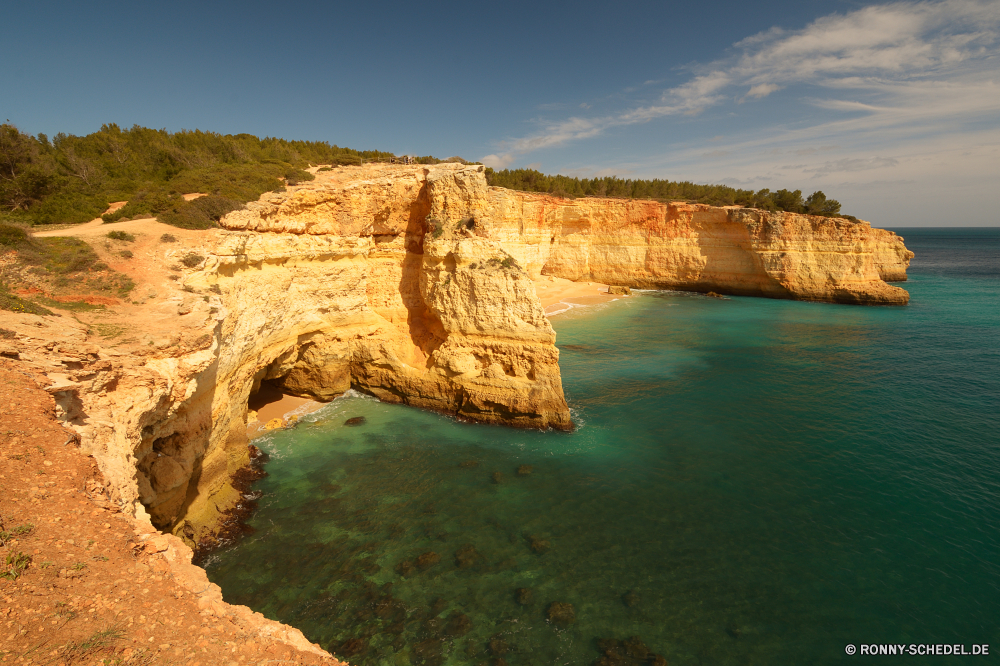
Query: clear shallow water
x=771, y=480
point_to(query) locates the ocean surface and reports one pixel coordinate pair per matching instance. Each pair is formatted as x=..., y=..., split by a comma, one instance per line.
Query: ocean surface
x=752, y=481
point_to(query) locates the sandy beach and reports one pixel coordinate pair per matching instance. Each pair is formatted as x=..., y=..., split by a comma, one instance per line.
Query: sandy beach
x=269, y=403
x=559, y=295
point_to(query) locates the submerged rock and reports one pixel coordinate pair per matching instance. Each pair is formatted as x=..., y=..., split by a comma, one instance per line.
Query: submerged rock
x=469, y=464
x=524, y=470
x=561, y=613
x=630, y=652
x=429, y=650
x=538, y=545
x=631, y=598
x=459, y=624
x=497, y=477
x=428, y=559
x=404, y=568
x=466, y=556
x=525, y=596
x=352, y=646
x=712, y=294
x=498, y=645
x=355, y=421
x=438, y=605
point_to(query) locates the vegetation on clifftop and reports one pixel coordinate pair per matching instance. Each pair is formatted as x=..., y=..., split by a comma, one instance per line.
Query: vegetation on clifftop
x=71, y=179
x=63, y=266
x=529, y=180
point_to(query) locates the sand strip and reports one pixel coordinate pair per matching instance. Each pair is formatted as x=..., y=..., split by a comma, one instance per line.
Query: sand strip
x=559, y=295
x=270, y=403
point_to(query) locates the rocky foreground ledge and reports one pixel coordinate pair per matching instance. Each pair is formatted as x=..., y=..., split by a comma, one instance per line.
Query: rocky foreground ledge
x=411, y=283
x=95, y=585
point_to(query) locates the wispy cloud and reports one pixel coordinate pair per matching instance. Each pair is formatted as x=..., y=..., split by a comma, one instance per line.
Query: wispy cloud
x=893, y=67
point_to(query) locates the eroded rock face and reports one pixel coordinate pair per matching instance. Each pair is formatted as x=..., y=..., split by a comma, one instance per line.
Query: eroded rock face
x=414, y=284
x=696, y=247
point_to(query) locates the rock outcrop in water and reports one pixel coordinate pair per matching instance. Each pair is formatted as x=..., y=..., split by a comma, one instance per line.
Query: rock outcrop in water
x=413, y=284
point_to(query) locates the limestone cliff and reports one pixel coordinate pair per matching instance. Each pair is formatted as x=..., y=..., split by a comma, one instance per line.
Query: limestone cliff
x=412, y=284
x=696, y=247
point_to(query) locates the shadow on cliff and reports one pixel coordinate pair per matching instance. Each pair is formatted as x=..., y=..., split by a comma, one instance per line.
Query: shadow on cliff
x=732, y=265
x=425, y=329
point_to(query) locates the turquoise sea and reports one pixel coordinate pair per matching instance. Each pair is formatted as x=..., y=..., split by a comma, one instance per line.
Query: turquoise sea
x=752, y=481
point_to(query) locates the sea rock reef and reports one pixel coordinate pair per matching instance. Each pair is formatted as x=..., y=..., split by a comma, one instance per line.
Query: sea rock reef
x=413, y=284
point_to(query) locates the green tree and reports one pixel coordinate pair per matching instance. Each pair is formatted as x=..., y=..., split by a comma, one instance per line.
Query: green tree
x=818, y=204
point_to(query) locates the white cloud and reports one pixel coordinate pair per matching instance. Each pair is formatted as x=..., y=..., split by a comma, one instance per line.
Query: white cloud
x=852, y=164
x=899, y=67
x=498, y=161
x=761, y=90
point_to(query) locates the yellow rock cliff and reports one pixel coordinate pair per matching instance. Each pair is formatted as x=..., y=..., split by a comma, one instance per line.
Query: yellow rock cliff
x=414, y=284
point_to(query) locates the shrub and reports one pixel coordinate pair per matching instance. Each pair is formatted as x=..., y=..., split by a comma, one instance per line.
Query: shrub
x=192, y=259
x=14, y=565
x=121, y=235
x=73, y=178
x=295, y=176
x=19, y=531
x=168, y=238
x=145, y=203
x=61, y=254
x=9, y=301
x=347, y=160
x=7, y=333
x=125, y=254
x=12, y=236
x=68, y=207
x=201, y=213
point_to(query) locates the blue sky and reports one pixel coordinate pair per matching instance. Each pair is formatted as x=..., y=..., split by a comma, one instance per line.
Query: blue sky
x=892, y=108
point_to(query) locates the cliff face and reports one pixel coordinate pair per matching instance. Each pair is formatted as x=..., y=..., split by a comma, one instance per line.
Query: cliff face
x=412, y=284
x=697, y=247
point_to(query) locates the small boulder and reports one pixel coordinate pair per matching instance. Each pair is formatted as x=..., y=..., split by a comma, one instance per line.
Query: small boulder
x=561, y=613
x=635, y=648
x=466, y=556
x=619, y=290
x=428, y=559
x=539, y=546
x=355, y=421
x=498, y=646
x=712, y=294
x=459, y=624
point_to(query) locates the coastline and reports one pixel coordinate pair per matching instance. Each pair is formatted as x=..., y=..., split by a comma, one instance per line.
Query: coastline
x=269, y=406
x=557, y=295
x=91, y=571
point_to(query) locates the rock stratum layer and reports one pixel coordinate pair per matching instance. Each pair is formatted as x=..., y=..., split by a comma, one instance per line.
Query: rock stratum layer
x=413, y=284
